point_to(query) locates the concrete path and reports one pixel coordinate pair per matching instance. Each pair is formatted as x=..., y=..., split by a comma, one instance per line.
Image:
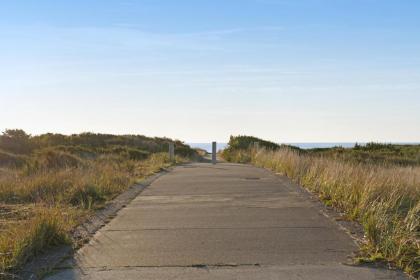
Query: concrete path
x=225, y=221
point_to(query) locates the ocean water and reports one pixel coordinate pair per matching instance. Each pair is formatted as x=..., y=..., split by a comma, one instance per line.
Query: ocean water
x=221, y=146
x=207, y=146
x=324, y=145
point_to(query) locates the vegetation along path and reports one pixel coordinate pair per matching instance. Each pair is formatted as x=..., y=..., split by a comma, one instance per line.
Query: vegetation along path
x=224, y=221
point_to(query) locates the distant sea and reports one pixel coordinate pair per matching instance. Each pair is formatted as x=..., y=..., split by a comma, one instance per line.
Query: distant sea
x=221, y=146
x=324, y=145
x=207, y=146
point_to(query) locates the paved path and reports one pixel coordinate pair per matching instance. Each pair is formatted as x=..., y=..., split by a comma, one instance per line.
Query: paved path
x=220, y=222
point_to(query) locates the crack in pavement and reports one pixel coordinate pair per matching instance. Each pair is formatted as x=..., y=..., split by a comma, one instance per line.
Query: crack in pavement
x=199, y=266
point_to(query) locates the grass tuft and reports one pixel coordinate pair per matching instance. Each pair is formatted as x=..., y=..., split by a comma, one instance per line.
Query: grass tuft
x=22, y=241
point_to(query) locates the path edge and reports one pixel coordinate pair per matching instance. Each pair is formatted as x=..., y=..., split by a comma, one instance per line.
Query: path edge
x=352, y=228
x=43, y=264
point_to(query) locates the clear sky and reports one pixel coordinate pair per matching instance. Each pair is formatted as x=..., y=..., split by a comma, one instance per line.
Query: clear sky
x=201, y=70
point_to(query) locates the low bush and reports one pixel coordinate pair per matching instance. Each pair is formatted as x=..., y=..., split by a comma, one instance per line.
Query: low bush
x=53, y=159
x=11, y=160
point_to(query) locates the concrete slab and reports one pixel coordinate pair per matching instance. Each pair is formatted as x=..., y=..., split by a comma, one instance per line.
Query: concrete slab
x=313, y=272
x=217, y=217
x=226, y=221
x=183, y=247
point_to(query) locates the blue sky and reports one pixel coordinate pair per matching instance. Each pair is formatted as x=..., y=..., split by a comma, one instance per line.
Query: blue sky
x=289, y=71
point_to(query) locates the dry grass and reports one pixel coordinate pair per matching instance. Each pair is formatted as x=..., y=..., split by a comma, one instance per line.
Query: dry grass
x=42, y=202
x=49, y=183
x=385, y=200
x=46, y=226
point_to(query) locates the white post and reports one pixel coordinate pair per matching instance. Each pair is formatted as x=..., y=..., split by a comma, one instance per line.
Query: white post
x=171, y=152
x=214, y=151
x=256, y=146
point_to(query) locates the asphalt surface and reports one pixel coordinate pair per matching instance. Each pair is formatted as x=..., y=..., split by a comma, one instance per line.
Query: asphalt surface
x=223, y=221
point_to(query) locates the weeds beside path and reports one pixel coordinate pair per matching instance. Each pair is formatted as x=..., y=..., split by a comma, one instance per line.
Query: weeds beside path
x=384, y=199
x=46, y=193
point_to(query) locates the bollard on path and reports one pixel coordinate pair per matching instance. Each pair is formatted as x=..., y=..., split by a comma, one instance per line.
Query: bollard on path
x=214, y=151
x=256, y=146
x=172, y=152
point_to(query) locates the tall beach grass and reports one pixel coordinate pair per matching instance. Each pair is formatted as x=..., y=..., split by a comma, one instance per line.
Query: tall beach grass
x=50, y=183
x=38, y=209
x=384, y=199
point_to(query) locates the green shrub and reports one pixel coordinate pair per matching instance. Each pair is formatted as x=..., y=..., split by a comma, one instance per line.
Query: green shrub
x=239, y=147
x=16, y=141
x=86, y=196
x=244, y=142
x=54, y=159
x=11, y=160
x=136, y=154
x=374, y=153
